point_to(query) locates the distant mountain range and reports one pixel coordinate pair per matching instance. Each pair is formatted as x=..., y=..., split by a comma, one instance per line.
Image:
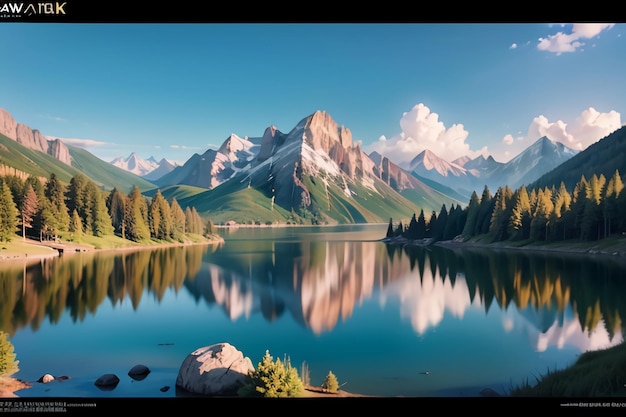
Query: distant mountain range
x=149, y=168
x=466, y=175
x=314, y=174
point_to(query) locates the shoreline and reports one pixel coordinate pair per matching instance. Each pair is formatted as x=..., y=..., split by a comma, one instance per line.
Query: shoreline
x=614, y=249
x=31, y=251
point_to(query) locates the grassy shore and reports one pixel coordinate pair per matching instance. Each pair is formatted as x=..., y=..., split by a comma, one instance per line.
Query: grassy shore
x=19, y=249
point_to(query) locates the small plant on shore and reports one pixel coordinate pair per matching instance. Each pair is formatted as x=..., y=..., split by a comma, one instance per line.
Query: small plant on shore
x=306, y=375
x=330, y=382
x=273, y=379
x=8, y=364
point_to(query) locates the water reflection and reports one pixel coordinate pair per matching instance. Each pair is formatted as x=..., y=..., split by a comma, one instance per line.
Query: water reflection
x=557, y=299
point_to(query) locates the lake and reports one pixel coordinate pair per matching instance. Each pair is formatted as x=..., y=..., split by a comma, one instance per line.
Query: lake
x=386, y=320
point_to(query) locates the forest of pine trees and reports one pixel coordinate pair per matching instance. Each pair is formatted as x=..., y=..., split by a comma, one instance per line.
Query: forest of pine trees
x=55, y=210
x=594, y=209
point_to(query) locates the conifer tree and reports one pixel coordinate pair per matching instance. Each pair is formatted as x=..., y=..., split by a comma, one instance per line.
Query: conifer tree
x=330, y=382
x=160, y=217
x=178, y=220
x=420, y=232
x=485, y=209
x=116, y=203
x=472, y=214
x=8, y=363
x=501, y=214
x=9, y=214
x=390, y=229
x=411, y=231
x=58, y=218
x=101, y=224
x=29, y=208
x=273, y=379
x=611, y=212
x=519, y=220
x=76, y=226
x=136, y=216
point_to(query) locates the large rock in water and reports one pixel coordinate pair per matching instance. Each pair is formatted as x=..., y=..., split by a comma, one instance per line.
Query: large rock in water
x=219, y=369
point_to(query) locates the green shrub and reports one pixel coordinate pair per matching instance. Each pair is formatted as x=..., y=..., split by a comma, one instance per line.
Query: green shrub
x=8, y=364
x=330, y=382
x=272, y=380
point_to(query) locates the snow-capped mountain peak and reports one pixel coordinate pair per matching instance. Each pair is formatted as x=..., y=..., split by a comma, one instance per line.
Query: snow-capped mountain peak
x=135, y=164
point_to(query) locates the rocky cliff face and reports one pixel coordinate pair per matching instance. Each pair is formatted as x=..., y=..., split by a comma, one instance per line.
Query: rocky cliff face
x=32, y=138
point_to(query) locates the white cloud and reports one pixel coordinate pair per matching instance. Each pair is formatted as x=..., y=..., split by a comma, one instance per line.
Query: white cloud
x=508, y=139
x=570, y=42
x=420, y=130
x=589, y=127
x=80, y=143
x=513, y=46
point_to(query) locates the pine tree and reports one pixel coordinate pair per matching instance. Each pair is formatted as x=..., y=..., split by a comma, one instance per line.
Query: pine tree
x=28, y=210
x=116, y=203
x=210, y=228
x=273, y=380
x=58, y=220
x=160, y=217
x=420, y=232
x=330, y=382
x=9, y=214
x=390, y=229
x=411, y=231
x=76, y=226
x=8, y=363
x=519, y=220
x=501, y=214
x=136, y=216
x=611, y=212
x=472, y=214
x=178, y=220
x=101, y=221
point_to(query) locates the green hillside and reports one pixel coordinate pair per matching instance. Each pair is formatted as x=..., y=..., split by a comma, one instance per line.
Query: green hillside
x=104, y=174
x=15, y=158
x=32, y=162
x=235, y=201
x=180, y=192
x=244, y=206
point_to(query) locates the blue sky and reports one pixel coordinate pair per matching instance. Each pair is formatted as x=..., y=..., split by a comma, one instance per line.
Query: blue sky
x=172, y=90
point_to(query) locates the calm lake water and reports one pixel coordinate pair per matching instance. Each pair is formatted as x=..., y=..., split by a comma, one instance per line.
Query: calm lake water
x=387, y=321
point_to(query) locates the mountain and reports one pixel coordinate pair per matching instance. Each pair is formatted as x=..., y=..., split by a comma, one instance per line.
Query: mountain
x=600, y=158
x=32, y=138
x=539, y=158
x=465, y=175
x=149, y=168
x=164, y=167
x=25, y=151
x=133, y=163
x=428, y=166
x=313, y=174
x=214, y=166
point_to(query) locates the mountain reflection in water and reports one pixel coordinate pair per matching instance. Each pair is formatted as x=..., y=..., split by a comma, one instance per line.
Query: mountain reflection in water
x=320, y=283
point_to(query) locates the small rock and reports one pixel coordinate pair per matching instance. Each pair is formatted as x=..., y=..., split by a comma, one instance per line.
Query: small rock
x=139, y=372
x=107, y=381
x=46, y=378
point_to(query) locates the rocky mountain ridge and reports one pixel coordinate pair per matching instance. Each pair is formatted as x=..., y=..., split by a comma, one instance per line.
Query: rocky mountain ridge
x=32, y=138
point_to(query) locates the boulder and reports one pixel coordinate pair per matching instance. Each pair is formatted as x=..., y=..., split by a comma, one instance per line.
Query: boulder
x=139, y=372
x=216, y=370
x=107, y=382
